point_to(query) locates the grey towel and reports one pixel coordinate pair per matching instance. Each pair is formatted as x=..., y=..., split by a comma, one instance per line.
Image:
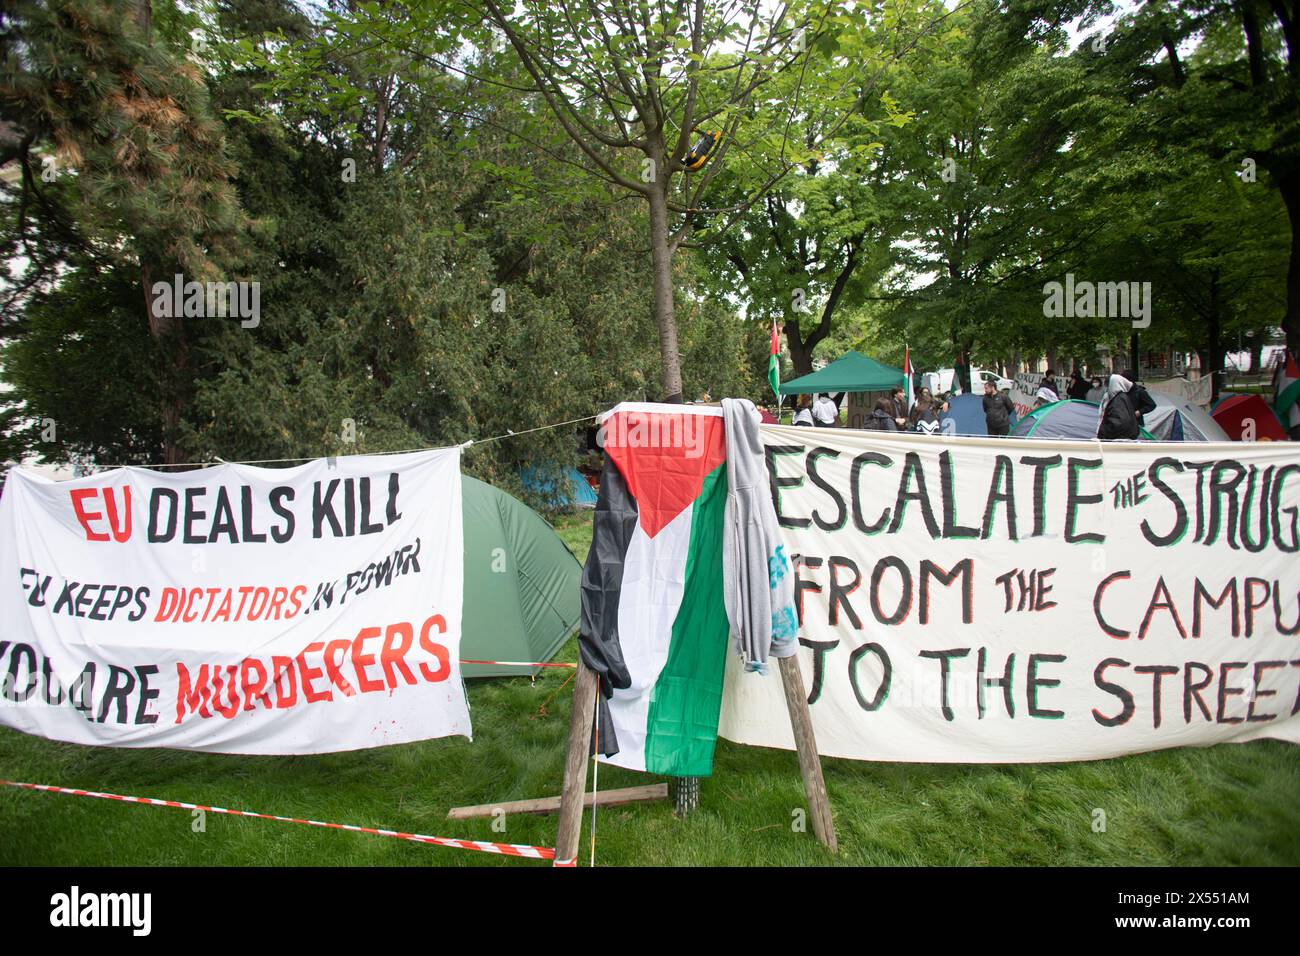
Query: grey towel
x=757, y=580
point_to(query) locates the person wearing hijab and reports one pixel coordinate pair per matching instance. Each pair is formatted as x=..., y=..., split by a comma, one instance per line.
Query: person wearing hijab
x=1047, y=388
x=1118, y=416
x=1045, y=396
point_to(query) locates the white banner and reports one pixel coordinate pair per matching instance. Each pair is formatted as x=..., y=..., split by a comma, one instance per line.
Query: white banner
x=236, y=609
x=975, y=600
x=1024, y=394
x=1197, y=392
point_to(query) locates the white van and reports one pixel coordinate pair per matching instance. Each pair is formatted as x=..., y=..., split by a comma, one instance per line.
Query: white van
x=944, y=380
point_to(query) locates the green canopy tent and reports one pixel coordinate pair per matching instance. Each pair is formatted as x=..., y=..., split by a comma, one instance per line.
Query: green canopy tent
x=851, y=372
x=522, y=585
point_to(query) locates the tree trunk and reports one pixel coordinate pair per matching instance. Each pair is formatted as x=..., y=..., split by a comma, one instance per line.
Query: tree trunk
x=143, y=16
x=169, y=334
x=661, y=262
x=1290, y=188
x=800, y=354
x=1214, y=342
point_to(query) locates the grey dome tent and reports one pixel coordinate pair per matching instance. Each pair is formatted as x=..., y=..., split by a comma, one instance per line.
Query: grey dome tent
x=1176, y=419
x=522, y=594
x=1071, y=418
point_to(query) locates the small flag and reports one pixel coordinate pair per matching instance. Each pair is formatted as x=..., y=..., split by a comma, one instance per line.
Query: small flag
x=1286, y=395
x=907, y=378
x=774, y=365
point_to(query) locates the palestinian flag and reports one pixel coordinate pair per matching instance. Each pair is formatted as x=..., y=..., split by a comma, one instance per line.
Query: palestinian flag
x=654, y=626
x=907, y=378
x=1286, y=395
x=774, y=365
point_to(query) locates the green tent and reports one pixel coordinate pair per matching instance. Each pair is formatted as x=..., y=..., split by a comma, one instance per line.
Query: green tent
x=522, y=585
x=851, y=372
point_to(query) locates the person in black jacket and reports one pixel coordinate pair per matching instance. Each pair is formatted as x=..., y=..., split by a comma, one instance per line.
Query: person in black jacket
x=898, y=401
x=1118, y=419
x=882, y=417
x=1143, y=403
x=997, y=409
x=1078, y=387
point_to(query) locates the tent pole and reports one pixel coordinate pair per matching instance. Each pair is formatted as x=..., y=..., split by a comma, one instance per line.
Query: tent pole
x=575, y=766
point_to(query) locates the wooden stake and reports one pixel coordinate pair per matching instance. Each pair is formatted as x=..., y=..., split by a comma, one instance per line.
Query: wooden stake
x=575, y=766
x=814, y=784
x=606, y=798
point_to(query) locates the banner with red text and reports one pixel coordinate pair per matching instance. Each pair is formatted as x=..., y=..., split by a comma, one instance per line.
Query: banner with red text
x=236, y=609
x=977, y=600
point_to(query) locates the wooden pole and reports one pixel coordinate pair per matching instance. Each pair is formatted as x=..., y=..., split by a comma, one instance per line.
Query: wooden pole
x=606, y=798
x=575, y=766
x=814, y=784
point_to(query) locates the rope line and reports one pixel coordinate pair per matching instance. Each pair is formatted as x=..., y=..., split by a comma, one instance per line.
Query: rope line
x=483, y=846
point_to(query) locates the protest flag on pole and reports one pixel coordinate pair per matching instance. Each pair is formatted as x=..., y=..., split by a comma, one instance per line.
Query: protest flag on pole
x=774, y=366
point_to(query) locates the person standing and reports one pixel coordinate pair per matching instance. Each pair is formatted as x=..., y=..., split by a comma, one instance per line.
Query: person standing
x=882, y=417
x=1143, y=403
x=940, y=404
x=1078, y=388
x=898, y=399
x=824, y=411
x=924, y=420
x=1118, y=416
x=1047, y=388
x=998, y=408
x=803, y=412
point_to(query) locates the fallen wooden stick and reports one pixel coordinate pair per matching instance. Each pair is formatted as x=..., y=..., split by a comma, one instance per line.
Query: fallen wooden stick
x=606, y=798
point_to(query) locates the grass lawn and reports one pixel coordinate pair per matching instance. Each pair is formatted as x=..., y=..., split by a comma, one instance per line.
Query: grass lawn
x=1225, y=805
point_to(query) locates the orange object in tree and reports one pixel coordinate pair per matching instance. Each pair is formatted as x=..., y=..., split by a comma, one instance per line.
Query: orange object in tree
x=706, y=147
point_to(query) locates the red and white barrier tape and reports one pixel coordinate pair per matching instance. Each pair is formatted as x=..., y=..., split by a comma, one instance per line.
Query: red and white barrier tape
x=505, y=849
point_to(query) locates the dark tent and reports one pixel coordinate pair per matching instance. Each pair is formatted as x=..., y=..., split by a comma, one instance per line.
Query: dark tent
x=522, y=596
x=965, y=416
x=1071, y=418
x=851, y=372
